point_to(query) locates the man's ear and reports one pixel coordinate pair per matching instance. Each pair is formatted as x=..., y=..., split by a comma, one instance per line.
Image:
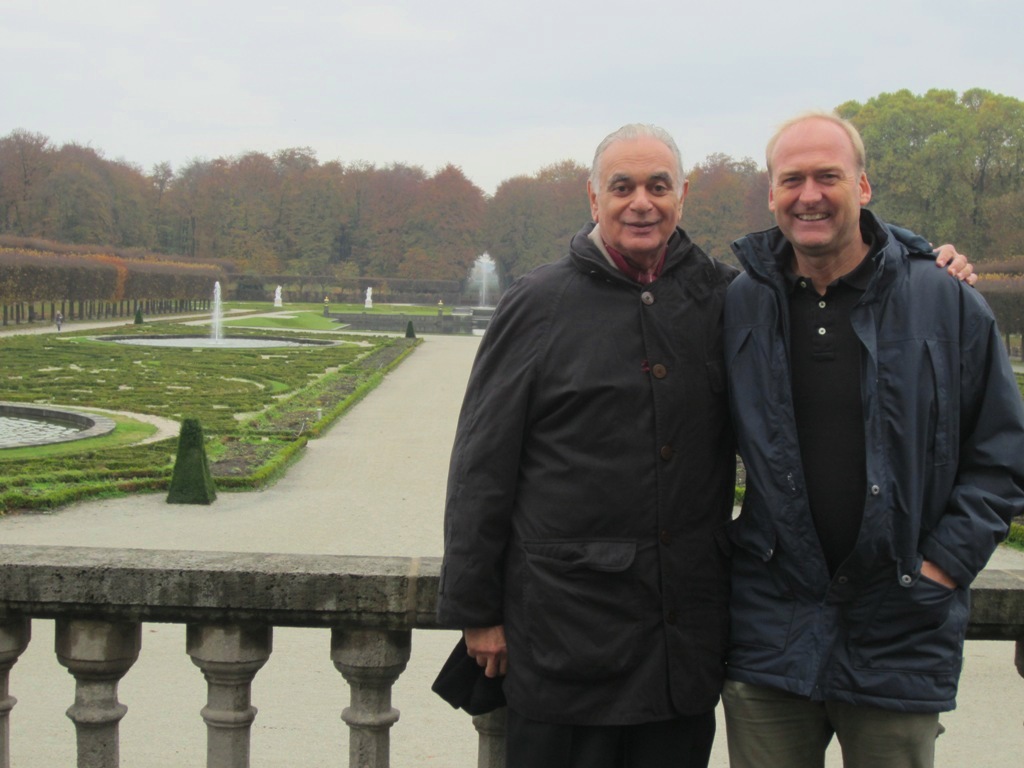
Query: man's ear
x=865, y=189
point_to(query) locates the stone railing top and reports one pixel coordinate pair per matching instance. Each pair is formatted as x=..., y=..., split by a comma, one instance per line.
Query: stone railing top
x=300, y=590
x=997, y=606
x=190, y=586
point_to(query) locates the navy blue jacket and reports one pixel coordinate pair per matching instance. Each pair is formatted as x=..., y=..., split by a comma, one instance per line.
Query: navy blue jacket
x=944, y=428
x=593, y=465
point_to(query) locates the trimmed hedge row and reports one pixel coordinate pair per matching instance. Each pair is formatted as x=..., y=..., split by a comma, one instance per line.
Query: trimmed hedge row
x=28, y=276
x=272, y=389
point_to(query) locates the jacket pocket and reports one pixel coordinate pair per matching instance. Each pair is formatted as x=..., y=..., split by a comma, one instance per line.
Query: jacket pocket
x=910, y=629
x=582, y=607
x=941, y=415
x=761, y=605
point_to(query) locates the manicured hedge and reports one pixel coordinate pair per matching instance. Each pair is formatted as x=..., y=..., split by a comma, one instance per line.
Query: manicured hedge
x=258, y=407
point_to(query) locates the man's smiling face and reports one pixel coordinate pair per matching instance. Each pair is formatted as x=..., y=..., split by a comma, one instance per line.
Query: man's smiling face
x=639, y=200
x=817, y=189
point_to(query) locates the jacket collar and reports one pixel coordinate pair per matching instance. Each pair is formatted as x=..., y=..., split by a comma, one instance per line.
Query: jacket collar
x=683, y=260
x=766, y=255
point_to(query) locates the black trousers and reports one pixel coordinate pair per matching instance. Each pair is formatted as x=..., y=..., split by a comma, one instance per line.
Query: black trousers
x=681, y=743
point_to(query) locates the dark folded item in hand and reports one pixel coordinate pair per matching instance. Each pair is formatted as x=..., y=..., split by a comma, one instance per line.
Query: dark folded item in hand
x=463, y=684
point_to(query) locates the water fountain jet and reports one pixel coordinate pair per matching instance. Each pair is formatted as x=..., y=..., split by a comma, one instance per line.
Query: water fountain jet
x=217, y=320
x=484, y=276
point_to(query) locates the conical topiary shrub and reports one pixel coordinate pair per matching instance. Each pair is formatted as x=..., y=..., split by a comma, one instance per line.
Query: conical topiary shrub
x=191, y=482
x=138, y=315
x=409, y=332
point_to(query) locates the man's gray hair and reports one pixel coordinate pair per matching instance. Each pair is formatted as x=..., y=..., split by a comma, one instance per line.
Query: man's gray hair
x=632, y=132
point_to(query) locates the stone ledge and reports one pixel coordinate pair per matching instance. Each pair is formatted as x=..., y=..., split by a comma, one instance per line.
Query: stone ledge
x=997, y=606
x=189, y=586
x=301, y=590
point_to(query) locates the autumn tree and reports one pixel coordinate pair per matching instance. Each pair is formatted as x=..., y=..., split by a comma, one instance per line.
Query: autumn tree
x=78, y=206
x=727, y=199
x=938, y=163
x=531, y=219
x=382, y=200
x=445, y=224
x=310, y=213
x=25, y=160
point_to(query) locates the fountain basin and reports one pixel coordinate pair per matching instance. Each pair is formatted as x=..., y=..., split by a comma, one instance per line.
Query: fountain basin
x=24, y=425
x=206, y=342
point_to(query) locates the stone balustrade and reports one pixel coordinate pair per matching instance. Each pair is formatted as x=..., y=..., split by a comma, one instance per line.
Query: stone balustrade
x=231, y=602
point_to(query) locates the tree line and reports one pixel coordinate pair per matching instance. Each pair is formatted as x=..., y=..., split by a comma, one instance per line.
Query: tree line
x=949, y=166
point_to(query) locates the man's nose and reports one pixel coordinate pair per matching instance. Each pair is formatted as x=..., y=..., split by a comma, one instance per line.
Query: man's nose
x=641, y=201
x=810, y=192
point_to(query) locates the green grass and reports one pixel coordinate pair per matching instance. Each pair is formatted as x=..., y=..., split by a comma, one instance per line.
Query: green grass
x=304, y=320
x=258, y=407
x=379, y=307
x=1016, y=538
x=391, y=309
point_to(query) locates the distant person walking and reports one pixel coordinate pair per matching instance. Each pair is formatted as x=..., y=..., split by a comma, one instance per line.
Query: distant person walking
x=59, y=320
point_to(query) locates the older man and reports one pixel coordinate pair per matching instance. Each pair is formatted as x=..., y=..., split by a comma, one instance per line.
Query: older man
x=883, y=436
x=592, y=473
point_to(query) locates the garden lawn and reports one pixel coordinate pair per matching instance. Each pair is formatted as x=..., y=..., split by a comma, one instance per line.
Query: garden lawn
x=257, y=406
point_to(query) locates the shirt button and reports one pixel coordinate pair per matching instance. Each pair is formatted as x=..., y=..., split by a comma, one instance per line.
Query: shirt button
x=842, y=579
x=875, y=490
x=821, y=304
x=906, y=579
x=659, y=371
x=803, y=283
x=666, y=452
x=647, y=298
x=821, y=331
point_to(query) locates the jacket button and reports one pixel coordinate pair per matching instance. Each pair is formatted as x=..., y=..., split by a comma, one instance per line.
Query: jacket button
x=665, y=538
x=666, y=452
x=647, y=298
x=659, y=371
x=906, y=579
x=875, y=490
x=842, y=579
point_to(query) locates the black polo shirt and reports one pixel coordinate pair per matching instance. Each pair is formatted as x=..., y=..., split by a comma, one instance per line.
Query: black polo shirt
x=825, y=367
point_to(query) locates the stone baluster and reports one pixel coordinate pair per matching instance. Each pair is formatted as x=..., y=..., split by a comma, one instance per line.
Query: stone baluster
x=370, y=661
x=97, y=654
x=14, y=636
x=229, y=655
x=491, y=749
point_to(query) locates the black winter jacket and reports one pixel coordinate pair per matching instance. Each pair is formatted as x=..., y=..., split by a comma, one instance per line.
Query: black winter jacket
x=592, y=466
x=944, y=428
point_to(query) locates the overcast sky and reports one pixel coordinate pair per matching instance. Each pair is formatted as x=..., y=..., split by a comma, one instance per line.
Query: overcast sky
x=499, y=89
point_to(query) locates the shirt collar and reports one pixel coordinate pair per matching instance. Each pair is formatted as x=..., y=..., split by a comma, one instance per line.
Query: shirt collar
x=631, y=271
x=858, y=278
